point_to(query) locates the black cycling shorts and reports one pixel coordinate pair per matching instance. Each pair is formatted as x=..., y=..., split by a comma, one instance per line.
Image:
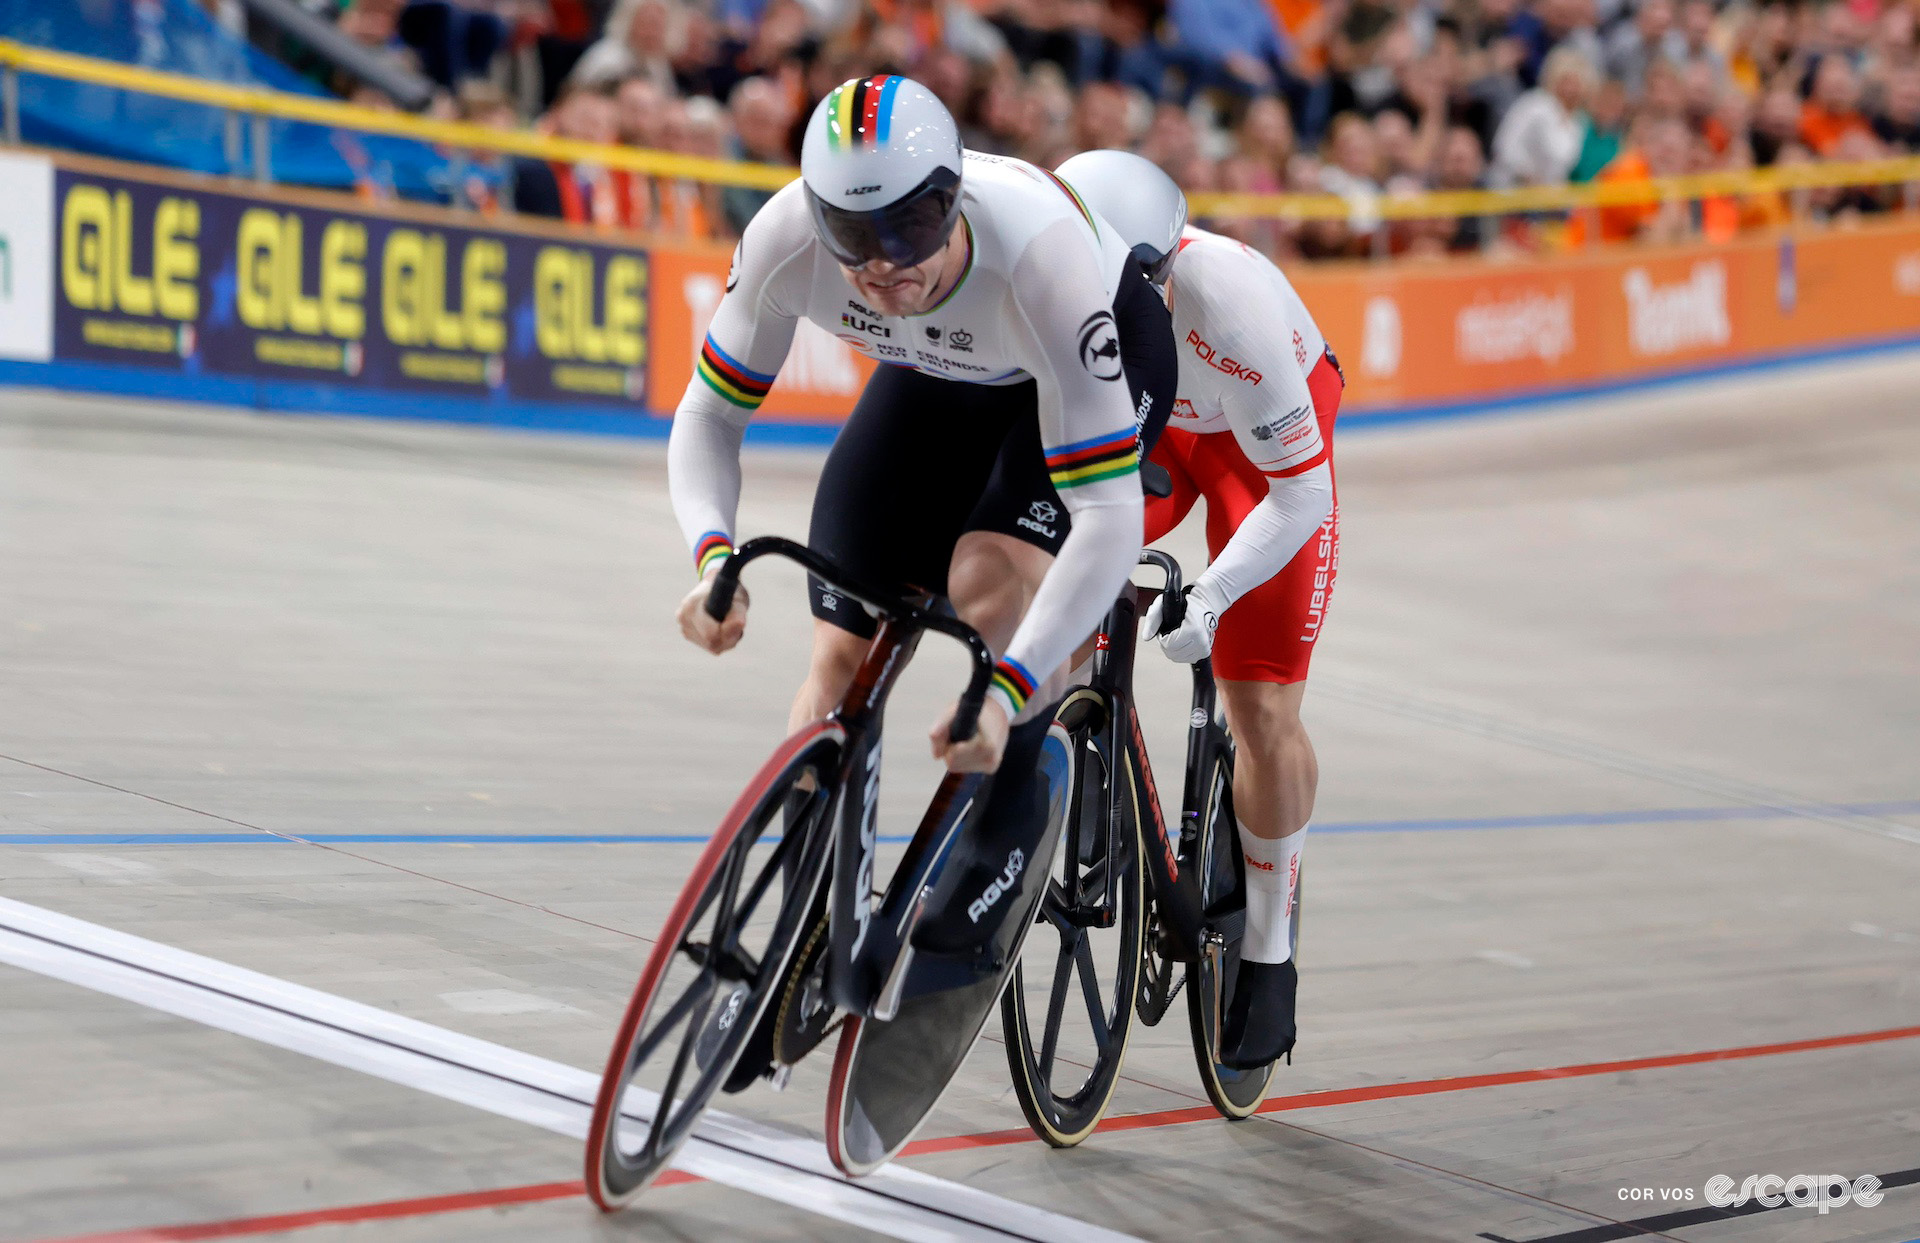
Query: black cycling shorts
x=923, y=460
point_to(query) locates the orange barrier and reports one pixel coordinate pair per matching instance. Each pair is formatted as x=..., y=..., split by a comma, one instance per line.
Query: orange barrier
x=1411, y=335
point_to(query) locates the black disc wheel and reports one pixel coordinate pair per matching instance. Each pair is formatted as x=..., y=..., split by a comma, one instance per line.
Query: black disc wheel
x=1216, y=853
x=888, y=1074
x=722, y=953
x=1068, y=1012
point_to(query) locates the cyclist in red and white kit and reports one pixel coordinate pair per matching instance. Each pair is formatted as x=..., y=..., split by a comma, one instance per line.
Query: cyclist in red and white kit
x=1252, y=433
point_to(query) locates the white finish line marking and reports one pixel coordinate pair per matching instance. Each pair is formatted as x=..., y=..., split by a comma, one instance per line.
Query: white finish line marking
x=734, y=1152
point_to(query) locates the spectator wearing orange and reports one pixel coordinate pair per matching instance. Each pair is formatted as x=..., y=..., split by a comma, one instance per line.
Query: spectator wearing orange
x=1833, y=110
x=1661, y=149
x=582, y=193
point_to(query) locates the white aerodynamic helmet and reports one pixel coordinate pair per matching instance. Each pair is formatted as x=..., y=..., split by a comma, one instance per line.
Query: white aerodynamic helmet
x=881, y=163
x=1142, y=203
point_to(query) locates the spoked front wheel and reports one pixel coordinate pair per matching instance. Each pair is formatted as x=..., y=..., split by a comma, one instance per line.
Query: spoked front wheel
x=1235, y=1093
x=1068, y=1011
x=719, y=957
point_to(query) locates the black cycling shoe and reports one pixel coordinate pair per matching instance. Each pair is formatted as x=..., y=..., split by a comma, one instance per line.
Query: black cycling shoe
x=1259, y=1027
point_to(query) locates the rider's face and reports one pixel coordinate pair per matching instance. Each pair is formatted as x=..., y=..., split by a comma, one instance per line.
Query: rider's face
x=893, y=290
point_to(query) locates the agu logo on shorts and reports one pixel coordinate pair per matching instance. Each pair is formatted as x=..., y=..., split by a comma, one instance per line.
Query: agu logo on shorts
x=1100, y=346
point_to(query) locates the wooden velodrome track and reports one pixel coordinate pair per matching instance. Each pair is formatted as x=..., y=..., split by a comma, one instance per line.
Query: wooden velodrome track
x=1612, y=887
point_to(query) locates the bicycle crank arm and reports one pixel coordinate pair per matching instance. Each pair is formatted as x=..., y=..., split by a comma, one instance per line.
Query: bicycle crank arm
x=1213, y=950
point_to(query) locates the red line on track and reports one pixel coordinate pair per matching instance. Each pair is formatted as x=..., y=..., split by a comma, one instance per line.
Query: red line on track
x=1427, y=1087
x=384, y=1210
x=537, y=1192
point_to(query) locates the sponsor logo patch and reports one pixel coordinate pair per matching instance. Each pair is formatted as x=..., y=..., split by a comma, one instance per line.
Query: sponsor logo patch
x=1001, y=885
x=1100, y=346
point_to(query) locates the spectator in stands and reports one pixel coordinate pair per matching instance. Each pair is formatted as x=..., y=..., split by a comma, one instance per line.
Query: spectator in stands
x=1776, y=123
x=1353, y=170
x=1661, y=148
x=1100, y=117
x=762, y=119
x=1897, y=123
x=1235, y=45
x=1265, y=135
x=582, y=193
x=1539, y=139
x=640, y=112
x=1603, y=126
x=640, y=41
x=1766, y=50
x=453, y=43
x=1696, y=32
x=1459, y=166
x=1550, y=25
x=1633, y=45
x=1833, y=110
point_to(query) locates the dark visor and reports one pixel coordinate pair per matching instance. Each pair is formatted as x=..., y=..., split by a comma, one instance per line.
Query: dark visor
x=905, y=233
x=1156, y=264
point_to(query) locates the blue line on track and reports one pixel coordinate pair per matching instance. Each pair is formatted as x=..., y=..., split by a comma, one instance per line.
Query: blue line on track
x=1671, y=815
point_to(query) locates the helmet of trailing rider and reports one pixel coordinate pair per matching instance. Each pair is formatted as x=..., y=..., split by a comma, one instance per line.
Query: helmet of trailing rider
x=881, y=163
x=1142, y=203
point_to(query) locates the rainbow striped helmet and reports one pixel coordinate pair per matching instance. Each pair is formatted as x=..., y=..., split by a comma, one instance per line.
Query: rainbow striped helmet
x=881, y=163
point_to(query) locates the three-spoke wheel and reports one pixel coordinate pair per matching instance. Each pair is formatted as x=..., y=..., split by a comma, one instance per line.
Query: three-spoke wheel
x=1069, y=1010
x=722, y=953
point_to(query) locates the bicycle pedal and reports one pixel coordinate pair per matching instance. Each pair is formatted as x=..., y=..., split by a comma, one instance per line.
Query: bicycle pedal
x=780, y=1077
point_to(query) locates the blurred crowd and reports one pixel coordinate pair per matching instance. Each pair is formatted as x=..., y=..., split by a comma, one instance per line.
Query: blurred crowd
x=1366, y=99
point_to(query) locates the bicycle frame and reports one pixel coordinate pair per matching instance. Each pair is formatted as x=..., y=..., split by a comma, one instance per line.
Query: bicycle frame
x=867, y=943
x=1177, y=894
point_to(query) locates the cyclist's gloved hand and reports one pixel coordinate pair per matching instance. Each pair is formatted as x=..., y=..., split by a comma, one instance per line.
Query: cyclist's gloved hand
x=978, y=754
x=703, y=631
x=1192, y=640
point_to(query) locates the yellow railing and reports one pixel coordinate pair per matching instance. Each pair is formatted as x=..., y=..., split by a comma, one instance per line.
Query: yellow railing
x=284, y=107
x=22, y=58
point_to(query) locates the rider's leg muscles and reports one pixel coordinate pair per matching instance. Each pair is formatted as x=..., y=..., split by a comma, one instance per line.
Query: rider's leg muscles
x=1260, y=658
x=836, y=658
x=991, y=582
x=1274, y=779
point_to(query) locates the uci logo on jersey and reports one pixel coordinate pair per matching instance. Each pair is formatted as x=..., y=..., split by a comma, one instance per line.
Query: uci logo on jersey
x=1100, y=346
x=860, y=324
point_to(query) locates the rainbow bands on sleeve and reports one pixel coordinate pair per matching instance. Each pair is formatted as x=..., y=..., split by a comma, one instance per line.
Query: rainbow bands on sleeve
x=744, y=388
x=712, y=549
x=1011, y=679
x=1079, y=202
x=1089, y=461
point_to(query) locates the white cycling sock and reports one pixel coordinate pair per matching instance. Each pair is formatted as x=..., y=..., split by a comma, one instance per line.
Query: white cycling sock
x=1273, y=877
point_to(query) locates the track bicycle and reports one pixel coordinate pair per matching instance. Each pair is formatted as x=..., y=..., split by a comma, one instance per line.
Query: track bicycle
x=776, y=940
x=1137, y=910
